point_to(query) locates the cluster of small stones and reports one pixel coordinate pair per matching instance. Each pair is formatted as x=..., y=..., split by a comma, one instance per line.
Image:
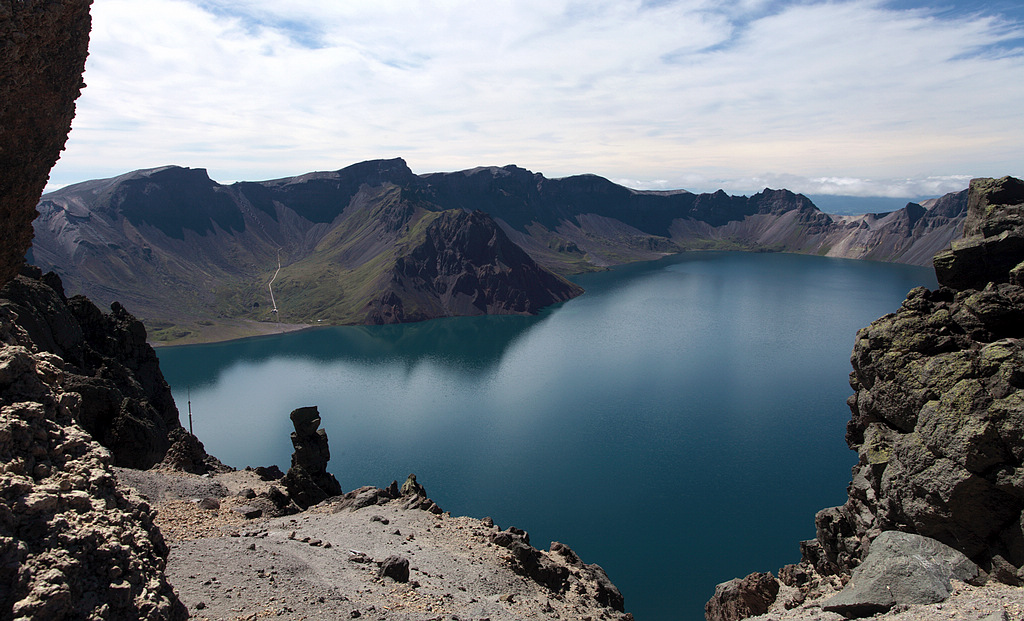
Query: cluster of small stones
x=71, y=544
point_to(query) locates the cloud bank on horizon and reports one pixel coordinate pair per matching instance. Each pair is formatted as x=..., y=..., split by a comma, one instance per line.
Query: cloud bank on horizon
x=855, y=97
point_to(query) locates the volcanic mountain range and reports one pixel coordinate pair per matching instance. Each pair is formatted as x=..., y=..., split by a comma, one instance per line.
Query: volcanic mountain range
x=376, y=243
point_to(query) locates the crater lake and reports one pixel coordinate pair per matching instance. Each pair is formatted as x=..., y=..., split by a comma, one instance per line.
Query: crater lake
x=679, y=424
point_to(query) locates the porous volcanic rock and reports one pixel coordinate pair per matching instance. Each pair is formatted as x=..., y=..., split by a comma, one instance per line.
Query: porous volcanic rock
x=126, y=403
x=43, y=46
x=72, y=545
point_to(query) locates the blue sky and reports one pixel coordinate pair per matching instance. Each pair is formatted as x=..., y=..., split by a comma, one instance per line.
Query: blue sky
x=860, y=97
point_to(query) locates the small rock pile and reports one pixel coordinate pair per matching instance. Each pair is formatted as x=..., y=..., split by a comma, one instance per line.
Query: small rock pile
x=71, y=544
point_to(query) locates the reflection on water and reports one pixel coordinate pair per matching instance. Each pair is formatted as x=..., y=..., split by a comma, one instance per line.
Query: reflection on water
x=465, y=344
x=679, y=424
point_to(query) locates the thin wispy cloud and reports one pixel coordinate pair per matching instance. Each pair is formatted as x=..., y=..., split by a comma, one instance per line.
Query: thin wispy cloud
x=666, y=94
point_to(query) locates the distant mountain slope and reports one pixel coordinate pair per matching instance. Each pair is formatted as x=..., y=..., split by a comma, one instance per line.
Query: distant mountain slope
x=375, y=243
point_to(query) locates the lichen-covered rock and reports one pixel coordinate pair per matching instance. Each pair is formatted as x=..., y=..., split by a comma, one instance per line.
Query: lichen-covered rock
x=938, y=414
x=937, y=417
x=72, y=545
x=43, y=46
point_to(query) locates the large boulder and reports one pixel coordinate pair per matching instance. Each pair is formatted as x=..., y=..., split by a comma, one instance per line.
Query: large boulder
x=43, y=46
x=903, y=569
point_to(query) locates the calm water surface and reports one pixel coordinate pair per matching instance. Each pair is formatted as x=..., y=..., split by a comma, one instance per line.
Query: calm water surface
x=679, y=424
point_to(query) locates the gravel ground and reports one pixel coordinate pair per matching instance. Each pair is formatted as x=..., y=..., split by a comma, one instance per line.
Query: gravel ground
x=992, y=602
x=323, y=563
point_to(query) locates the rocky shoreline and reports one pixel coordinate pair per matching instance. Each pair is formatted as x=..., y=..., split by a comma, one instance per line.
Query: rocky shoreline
x=938, y=425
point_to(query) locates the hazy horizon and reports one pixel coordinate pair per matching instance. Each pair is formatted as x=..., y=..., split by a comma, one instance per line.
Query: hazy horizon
x=852, y=97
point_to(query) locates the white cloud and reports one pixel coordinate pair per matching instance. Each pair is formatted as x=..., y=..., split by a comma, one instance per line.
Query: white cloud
x=684, y=92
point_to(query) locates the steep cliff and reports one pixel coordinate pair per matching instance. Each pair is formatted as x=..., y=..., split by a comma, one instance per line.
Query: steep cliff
x=938, y=414
x=937, y=419
x=72, y=544
x=43, y=45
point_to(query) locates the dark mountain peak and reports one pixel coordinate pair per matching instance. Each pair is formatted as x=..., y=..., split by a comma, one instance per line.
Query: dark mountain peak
x=99, y=186
x=374, y=172
x=467, y=265
x=322, y=196
x=175, y=199
x=781, y=201
x=951, y=205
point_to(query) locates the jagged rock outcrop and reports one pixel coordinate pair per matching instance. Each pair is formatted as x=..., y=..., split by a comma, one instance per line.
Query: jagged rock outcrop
x=993, y=242
x=938, y=414
x=938, y=411
x=308, y=481
x=126, y=403
x=740, y=598
x=72, y=544
x=43, y=46
x=466, y=266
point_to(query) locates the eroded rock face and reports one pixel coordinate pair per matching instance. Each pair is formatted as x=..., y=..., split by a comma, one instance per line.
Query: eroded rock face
x=126, y=403
x=43, y=46
x=72, y=545
x=742, y=598
x=937, y=422
x=938, y=414
x=308, y=481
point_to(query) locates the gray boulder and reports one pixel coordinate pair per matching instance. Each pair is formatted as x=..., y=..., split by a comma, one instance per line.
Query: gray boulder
x=902, y=568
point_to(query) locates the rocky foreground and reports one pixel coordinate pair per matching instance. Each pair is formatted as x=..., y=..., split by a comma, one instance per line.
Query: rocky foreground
x=84, y=537
x=362, y=555
x=938, y=426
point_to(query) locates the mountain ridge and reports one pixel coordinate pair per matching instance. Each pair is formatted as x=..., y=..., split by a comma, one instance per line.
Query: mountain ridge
x=188, y=254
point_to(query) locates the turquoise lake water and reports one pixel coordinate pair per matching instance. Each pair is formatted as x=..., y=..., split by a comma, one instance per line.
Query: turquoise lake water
x=679, y=424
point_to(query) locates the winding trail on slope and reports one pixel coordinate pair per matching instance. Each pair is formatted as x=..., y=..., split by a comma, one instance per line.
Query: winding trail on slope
x=270, y=285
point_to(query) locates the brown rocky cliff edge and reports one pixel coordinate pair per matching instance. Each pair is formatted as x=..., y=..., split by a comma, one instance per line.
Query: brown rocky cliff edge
x=43, y=46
